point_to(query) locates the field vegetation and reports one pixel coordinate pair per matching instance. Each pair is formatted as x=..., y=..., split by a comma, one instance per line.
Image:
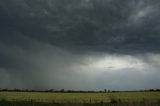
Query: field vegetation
x=79, y=99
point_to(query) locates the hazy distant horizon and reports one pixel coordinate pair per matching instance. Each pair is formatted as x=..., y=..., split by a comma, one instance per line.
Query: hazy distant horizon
x=80, y=44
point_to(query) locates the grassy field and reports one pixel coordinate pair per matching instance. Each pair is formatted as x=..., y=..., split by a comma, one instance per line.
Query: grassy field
x=79, y=98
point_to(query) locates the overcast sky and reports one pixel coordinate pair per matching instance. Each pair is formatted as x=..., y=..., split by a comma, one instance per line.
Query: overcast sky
x=80, y=44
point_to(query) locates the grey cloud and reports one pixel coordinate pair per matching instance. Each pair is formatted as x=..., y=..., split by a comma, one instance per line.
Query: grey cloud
x=101, y=25
x=43, y=42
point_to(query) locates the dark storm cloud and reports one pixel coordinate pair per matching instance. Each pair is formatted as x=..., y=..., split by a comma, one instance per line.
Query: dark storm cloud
x=111, y=26
x=43, y=42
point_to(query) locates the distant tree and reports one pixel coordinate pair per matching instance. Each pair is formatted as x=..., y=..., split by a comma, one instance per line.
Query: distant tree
x=108, y=91
x=51, y=90
x=105, y=90
x=158, y=90
x=62, y=90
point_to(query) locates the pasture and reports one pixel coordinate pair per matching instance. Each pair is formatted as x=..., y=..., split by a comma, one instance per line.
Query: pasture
x=79, y=98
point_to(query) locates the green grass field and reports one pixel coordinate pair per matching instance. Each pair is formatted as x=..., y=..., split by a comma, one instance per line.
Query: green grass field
x=89, y=98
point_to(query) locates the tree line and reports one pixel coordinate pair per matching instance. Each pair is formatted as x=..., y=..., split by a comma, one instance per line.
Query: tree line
x=74, y=91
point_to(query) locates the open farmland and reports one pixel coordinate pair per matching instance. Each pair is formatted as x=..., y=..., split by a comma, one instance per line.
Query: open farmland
x=80, y=98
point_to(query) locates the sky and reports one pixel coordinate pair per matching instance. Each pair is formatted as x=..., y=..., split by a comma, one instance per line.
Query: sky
x=80, y=44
